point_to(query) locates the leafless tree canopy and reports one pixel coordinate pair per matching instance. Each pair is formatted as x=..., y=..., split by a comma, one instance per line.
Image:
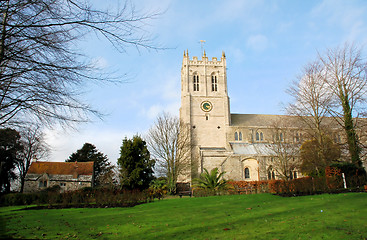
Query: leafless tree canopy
x=311, y=97
x=346, y=77
x=334, y=85
x=286, y=152
x=34, y=147
x=169, y=144
x=41, y=65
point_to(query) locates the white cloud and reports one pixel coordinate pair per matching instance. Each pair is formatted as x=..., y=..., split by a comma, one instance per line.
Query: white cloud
x=235, y=54
x=349, y=16
x=153, y=111
x=257, y=42
x=64, y=143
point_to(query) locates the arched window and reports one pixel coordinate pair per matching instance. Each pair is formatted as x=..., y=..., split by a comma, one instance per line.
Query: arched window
x=259, y=136
x=214, y=83
x=236, y=136
x=247, y=173
x=240, y=136
x=337, y=138
x=281, y=138
x=271, y=174
x=298, y=137
x=196, y=83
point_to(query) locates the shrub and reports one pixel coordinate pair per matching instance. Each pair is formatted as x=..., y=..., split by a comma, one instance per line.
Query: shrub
x=158, y=188
x=100, y=196
x=210, y=182
x=355, y=176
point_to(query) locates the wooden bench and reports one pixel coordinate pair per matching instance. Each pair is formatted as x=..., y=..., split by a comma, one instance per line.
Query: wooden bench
x=184, y=193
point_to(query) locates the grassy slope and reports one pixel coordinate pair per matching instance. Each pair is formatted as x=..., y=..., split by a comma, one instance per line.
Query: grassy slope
x=261, y=216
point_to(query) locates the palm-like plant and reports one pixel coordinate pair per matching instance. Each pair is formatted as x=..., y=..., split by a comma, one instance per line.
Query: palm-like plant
x=211, y=181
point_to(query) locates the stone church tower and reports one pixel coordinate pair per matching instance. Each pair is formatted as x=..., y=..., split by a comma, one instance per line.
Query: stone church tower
x=205, y=109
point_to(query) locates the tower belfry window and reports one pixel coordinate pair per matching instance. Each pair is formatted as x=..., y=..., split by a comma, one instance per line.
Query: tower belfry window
x=214, y=83
x=196, y=83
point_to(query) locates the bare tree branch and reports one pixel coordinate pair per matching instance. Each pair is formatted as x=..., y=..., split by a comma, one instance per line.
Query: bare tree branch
x=346, y=78
x=169, y=143
x=41, y=66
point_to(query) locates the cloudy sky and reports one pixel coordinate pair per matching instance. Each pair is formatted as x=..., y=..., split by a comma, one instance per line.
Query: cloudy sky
x=266, y=44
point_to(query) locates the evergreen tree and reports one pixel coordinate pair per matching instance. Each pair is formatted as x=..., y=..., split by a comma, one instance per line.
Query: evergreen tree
x=9, y=149
x=136, y=167
x=89, y=153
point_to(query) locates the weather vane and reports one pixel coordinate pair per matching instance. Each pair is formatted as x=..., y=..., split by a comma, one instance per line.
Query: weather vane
x=202, y=46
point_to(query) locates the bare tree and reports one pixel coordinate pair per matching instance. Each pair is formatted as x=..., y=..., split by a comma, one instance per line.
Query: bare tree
x=285, y=151
x=41, y=65
x=34, y=147
x=110, y=178
x=346, y=77
x=169, y=143
x=312, y=99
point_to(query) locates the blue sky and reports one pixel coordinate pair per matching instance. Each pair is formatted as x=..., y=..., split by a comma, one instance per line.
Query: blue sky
x=266, y=44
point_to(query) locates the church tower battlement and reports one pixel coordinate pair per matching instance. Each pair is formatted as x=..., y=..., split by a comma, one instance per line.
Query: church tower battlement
x=210, y=76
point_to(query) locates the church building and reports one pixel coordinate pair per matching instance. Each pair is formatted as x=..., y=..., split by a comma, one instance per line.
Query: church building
x=247, y=147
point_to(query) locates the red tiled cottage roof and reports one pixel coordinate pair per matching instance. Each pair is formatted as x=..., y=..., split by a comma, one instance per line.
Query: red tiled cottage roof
x=61, y=168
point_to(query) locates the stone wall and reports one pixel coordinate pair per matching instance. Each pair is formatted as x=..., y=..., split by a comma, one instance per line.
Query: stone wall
x=37, y=182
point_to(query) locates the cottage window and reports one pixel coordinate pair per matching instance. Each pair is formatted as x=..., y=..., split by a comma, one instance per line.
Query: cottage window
x=247, y=173
x=43, y=183
x=62, y=184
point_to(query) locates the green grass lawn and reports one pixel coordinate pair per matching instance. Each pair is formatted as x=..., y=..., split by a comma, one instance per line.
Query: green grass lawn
x=261, y=216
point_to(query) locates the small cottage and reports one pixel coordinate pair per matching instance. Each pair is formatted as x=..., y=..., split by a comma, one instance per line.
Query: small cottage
x=68, y=175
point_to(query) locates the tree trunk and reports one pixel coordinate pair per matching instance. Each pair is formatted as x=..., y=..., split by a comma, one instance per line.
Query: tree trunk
x=352, y=140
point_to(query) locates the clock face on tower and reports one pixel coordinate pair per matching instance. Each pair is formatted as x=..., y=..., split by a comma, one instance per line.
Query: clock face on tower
x=206, y=106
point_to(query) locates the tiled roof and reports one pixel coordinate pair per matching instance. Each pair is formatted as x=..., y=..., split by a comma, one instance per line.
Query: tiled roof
x=61, y=168
x=264, y=120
